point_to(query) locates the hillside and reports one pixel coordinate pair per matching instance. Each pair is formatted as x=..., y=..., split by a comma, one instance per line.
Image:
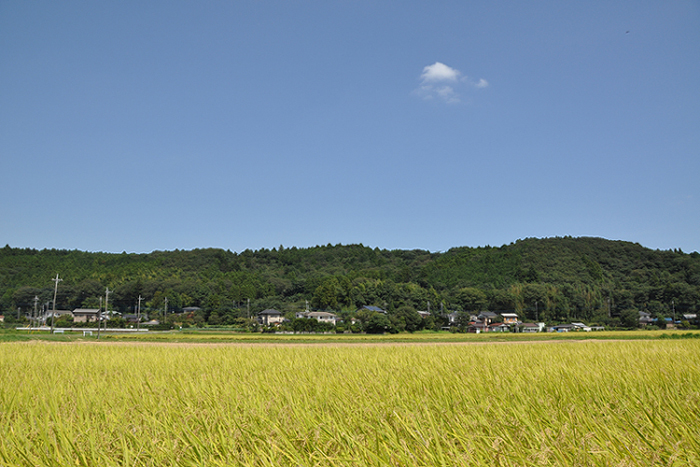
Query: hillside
x=546, y=279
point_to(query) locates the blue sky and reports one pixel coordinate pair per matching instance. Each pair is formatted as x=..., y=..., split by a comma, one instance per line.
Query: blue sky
x=141, y=126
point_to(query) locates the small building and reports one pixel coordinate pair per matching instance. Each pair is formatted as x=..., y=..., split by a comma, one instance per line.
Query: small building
x=135, y=318
x=581, y=327
x=487, y=317
x=85, y=315
x=478, y=327
x=498, y=327
x=510, y=318
x=645, y=318
x=322, y=317
x=270, y=317
x=452, y=318
x=530, y=327
x=424, y=314
x=564, y=327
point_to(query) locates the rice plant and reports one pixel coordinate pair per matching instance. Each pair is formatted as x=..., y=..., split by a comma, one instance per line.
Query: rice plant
x=559, y=403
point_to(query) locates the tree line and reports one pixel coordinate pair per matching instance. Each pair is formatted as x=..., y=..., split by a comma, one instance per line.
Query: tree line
x=551, y=279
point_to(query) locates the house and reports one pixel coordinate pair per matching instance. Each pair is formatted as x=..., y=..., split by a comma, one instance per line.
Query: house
x=564, y=327
x=85, y=315
x=134, y=318
x=269, y=317
x=322, y=317
x=530, y=327
x=372, y=308
x=487, y=317
x=498, y=327
x=478, y=327
x=645, y=318
x=510, y=318
x=424, y=314
x=581, y=327
x=452, y=318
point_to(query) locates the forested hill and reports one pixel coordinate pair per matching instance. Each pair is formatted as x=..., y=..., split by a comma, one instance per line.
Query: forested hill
x=557, y=278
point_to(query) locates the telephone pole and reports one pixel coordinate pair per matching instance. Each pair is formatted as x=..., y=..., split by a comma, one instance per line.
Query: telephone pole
x=138, y=314
x=107, y=291
x=55, y=291
x=673, y=304
x=34, y=316
x=99, y=318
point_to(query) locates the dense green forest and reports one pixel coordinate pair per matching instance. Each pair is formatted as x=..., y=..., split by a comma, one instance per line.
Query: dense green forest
x=552, y=279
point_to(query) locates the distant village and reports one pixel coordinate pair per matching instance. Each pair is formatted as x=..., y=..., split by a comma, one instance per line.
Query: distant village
x=271, y=320
x=486, y=321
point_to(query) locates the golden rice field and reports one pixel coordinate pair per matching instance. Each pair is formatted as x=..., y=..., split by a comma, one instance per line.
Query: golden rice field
x=597, y=403
x=207, y=336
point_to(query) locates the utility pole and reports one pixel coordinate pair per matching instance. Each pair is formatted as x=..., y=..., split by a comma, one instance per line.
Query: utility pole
x=537, y=316
x=248, y=309
x=138, y=314
x=165, y=309
x=34, y=316
x=99, y=318
x=107, y=291
x=55, y=291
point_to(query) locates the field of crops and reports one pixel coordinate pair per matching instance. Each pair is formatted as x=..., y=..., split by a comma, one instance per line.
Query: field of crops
x=555, y=403
x=210, y=336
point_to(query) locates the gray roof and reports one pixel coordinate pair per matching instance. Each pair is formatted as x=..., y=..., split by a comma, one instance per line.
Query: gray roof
x=85, y=311
x=314, y=314
x=270, y=311
x=488, y=313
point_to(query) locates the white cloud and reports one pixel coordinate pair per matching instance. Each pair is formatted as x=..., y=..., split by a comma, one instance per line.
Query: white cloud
x=441, y=82
x=439, y=72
